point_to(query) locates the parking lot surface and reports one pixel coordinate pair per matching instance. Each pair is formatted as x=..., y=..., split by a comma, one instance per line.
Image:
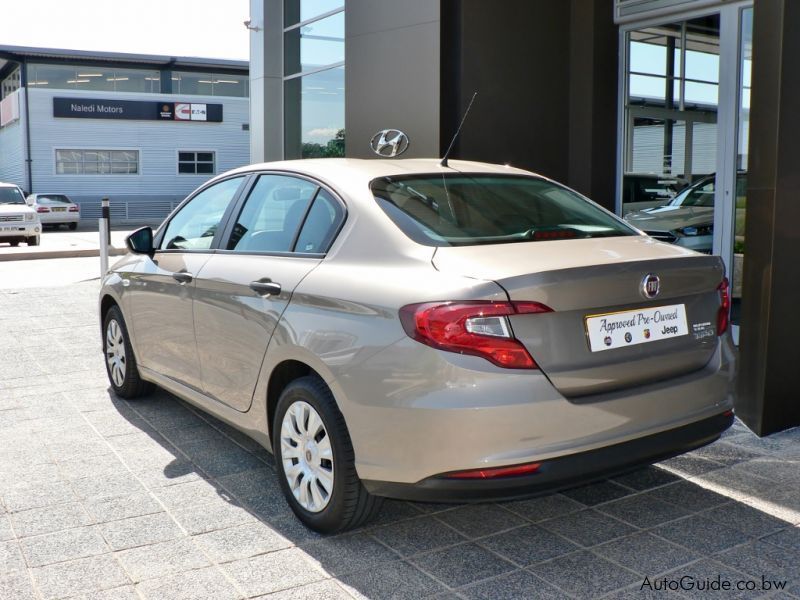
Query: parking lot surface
x=105, y=498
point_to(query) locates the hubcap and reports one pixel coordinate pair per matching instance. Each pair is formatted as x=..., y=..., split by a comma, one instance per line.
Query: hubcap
x=307, y=456
x=115, y=353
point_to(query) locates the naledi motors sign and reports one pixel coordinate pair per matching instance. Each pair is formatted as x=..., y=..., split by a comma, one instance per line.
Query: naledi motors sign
x=94, y=108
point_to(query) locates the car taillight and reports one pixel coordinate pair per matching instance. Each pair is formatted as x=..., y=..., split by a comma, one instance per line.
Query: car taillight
x=74, y=209
x=724, y=307
x=478, y=328
x=515, y=471
x=42, y=209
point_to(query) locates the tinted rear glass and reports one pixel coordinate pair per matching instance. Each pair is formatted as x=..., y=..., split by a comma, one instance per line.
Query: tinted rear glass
x=53, y=199
x=465, y=210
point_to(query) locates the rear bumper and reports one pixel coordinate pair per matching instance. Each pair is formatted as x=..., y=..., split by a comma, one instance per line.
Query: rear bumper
x=563, y=471
x=59, y=218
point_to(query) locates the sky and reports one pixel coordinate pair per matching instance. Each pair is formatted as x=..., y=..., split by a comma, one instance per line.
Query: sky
x=201, y=28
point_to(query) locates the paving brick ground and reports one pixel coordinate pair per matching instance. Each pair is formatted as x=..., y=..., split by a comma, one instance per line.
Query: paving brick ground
x=104, y=498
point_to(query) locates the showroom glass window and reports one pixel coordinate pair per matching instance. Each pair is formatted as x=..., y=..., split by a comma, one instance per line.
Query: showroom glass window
x=313, y=78
x=210, y=84
x=91, y=78
x=97, y=162
x=671, y=104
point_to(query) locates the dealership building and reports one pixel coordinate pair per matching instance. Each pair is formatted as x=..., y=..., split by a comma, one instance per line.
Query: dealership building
x=142, y=130
x=607, y=96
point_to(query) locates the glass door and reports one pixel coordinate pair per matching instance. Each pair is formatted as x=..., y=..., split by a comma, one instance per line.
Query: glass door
x=685, y=102
x=671, y=105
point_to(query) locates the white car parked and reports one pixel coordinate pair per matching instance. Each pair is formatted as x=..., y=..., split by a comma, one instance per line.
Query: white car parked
x=18, y=221
x=55, y=209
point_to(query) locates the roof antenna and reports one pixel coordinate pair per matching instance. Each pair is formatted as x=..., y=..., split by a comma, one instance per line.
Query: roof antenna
x=455, y=137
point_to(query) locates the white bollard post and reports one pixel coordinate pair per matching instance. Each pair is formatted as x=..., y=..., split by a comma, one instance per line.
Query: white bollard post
x=103, y=227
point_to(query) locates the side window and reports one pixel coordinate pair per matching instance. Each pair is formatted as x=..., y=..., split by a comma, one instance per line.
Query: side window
x=320, y=225
x=272, y=214
x=193, y=228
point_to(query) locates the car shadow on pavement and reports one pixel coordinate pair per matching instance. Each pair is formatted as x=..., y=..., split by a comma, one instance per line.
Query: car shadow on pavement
x=731, y=509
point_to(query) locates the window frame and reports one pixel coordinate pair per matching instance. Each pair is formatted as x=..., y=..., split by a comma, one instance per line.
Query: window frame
x=138, y=151
x=195, y=162
x=244, y=194
x=158, y=236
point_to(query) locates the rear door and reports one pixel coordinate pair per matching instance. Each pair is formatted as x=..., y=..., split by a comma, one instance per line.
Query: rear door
x=280, y=233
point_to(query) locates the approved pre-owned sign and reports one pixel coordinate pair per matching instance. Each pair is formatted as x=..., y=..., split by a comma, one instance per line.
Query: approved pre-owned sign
x=94, y=108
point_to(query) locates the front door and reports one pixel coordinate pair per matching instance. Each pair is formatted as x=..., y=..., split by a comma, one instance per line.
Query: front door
x=162, y=289
x=244, y=288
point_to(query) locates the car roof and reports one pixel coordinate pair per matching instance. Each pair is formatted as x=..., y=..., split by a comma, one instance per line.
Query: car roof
x=354, y=174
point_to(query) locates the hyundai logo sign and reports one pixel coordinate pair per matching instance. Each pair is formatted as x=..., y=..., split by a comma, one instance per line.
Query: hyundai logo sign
x=389, y=143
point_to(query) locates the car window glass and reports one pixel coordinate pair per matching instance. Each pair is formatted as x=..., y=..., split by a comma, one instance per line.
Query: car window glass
x=463, y=209
x=11, y=195
x=193, y=228
x=320, y=224
x=697, y=195
x=272, y=214
x=53, y=199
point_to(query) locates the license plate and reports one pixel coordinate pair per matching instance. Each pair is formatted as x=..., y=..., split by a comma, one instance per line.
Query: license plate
x=639, y=326
x=59, y=209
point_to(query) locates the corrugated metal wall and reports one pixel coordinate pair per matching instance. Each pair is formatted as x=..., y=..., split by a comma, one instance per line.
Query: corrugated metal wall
x=12, y=149
x=158, y=184
x=648, y=149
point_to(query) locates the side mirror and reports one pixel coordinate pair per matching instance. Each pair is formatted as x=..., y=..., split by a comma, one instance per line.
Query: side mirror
x=141, y=241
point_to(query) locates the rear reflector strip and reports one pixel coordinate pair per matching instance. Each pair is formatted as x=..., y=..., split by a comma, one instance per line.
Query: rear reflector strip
x=515, y=471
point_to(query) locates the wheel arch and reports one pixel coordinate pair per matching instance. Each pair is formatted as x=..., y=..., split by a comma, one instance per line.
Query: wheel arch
x=106, y=302
x=281, y=376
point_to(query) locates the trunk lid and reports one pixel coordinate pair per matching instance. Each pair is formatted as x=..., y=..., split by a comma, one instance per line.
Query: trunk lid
x=587, y=278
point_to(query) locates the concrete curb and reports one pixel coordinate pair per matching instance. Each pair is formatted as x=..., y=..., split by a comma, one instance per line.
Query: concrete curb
x=42, y=254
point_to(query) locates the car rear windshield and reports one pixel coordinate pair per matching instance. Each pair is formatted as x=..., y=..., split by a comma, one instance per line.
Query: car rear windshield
x=53, y=198
x=11, y=195
x=470, y=209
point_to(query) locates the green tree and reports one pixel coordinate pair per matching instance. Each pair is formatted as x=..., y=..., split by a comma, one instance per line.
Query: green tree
x=333, y=149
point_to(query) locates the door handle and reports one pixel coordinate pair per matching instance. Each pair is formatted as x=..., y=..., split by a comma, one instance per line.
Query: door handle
x=182, y=277
x=266, y=287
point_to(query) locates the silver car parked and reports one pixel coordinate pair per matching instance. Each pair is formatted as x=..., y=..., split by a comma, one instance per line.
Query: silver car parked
x=398, y=328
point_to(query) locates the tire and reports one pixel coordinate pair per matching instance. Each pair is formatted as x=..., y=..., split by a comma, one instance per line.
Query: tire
x=348, y=504
x=72, y=226
x=14, y=244
x=33, y=241
x=123, y=374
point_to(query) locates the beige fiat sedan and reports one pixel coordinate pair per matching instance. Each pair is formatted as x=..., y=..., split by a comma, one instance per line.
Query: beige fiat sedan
x=403, y=329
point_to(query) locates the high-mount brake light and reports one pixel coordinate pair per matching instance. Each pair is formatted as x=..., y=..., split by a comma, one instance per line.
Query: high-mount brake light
x=723, y=316
x=478, y=328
